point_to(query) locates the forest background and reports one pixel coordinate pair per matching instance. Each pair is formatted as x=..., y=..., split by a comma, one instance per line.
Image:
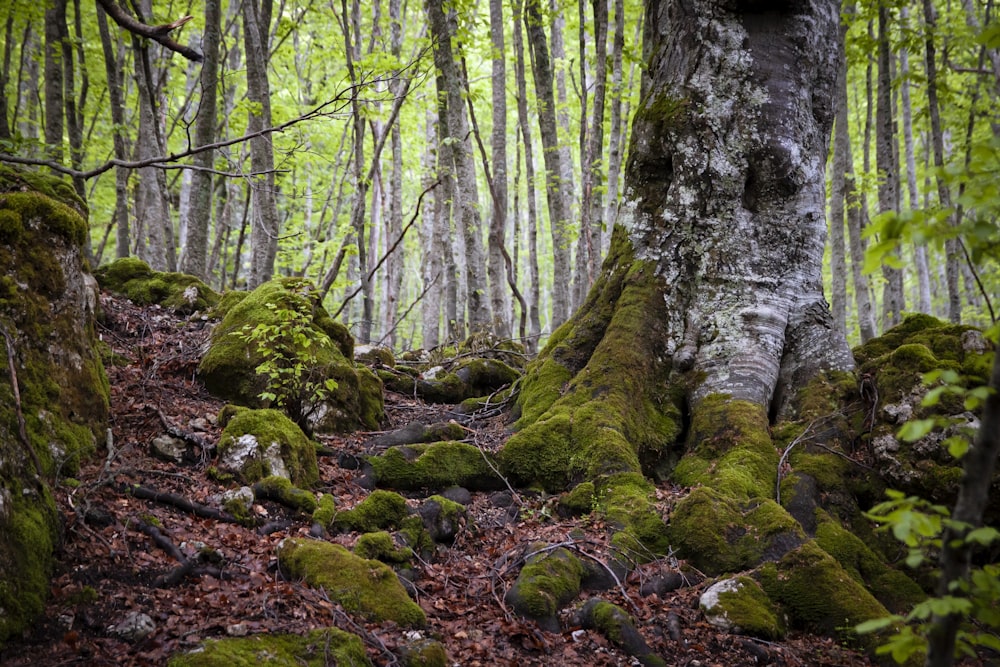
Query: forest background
x=445, y=168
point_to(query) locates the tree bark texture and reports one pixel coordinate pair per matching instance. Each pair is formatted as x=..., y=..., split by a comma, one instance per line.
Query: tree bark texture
x=498, y=143
x=886, y=159
x=200, y=208
x=55, y=25
x=113, y=71
x=724, y=191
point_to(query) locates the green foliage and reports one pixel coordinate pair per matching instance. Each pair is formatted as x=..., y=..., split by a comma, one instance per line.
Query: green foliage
x=919, y=525
x=290, y=346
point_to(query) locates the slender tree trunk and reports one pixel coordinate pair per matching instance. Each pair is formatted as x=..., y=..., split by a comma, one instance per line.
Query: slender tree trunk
x=150, y=206
x=580, y=279
x=893, y=297
x=937, y=142
x=615, y=138
x=557, y=24
x=498, y=140
x=443, y=30
x=838, y=251
x=524, y=127
x=394, y=264
x=55, y=23
x=200, y=208
x=554, y=186
x=75, y=107
x=432, y=259
x=8, y=47
x=113, y=70
x=593, y=199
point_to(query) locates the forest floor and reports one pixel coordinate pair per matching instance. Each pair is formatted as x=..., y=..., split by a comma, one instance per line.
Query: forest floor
x=111, y=564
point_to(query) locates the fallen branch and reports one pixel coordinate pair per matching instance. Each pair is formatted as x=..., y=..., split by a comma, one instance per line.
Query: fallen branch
x=181, y=503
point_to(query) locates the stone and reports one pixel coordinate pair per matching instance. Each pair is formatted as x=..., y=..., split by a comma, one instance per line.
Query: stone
x=168, y=448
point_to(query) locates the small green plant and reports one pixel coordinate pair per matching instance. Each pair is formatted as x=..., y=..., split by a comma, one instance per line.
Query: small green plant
x=291, y=350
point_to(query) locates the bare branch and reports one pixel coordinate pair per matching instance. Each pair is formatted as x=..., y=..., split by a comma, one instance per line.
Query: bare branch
x=157, y=33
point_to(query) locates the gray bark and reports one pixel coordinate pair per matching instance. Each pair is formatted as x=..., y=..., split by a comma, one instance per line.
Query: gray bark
x=113, y=72
x=55, y=23
x=615, y=138
x=893, y=297
x=498, y=142
x=443, y=30
x=554, y=187
x=432, y=259
x=724, y=192
x=8, y=48
x=265, y=226
x=200, y=206
x=524, y=127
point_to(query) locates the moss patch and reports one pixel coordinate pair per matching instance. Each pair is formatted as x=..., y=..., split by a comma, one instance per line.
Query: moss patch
x=436, y=466
x=281, y=490
x=365, y=587
x=743, y=605
x=229, y=368
x=380, y=546
x=626, y=500
x=315, y=649
x=547, y=582
x=134, y=279
x=381, y=509
x=253, y=438
x=718, y=533
x=819, y=595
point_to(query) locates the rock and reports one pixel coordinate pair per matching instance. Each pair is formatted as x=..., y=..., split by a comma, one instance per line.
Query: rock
x=168, y=448
x=442, y=518
x=425, y=653
x=131, y=277
x=229, y=367
x=326, y=646
x=133, y=627
x=415, y=432
x=738, y=605
x=436, y=466
x=549, y=580
x=380, y=546
x=262, y=443
x=48, y=308
x=617, y=625
x=374, y=355
x=238, y=502
x=458, y=494
x=380, y=510
x=662, y=584
x=365, y=587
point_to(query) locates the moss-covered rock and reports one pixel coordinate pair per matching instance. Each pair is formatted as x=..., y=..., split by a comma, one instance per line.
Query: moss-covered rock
x=626, y=500
x=549, y=580
x=739, y=605
x=318, y=648
x=280, y=489
x=365, y=587
x=442, y=518
x=617, y=625
x=470, y=378
x=133, y=278
x=48, y=302
x=581, y=499
x=818, y=595
x=380, y=546
x=380, y=510
x=325, y=511
x=260, y=443
x=425, y=653
x=718, y=533
x=229, y=367
x=436, y=466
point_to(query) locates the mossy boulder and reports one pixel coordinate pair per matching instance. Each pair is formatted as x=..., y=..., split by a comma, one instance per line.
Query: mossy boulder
x=625, y=499
x=229, y=367
x=718, y=533
x=365, y=587
x=442, y=518
x=425, y=653
x=317, y=648
x=739, y=605
x=549, y=580
x=380, y=510
x=380, y=546
x=48, y=302
x=182, y=293
x=470, y=378
x=260, y=443
x=281, y=490
x=436, y=467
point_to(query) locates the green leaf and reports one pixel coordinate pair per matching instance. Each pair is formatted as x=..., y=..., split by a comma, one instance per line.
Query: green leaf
x=985, y=535
x=957, y=446
x=915, y=429
x=876, y=624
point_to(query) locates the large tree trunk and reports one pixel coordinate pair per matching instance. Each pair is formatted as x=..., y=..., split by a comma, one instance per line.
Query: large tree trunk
x=498, y=142
x=893, y=297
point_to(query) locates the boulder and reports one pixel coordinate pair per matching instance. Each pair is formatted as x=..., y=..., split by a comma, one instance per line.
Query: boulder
x=53, y=417
x=131, y=277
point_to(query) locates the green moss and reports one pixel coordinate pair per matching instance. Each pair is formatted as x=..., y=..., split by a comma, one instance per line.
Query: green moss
x=615, y=623
x=415, y=535
x=281, y=489
x=133, y=278
x=625, y=500
x=435, y=466
x=718, y=533
x=381, y=509
x=380, y=546
x=33, y=208
x=270, y=427
x=425, y=653
x=450, y=510
x=890, y=587
x=28, y=534
x=548, y=581
x=580, y=500
x=226, y=302
x=829, y=470
x=316, y=649
x=749, y=609
x=597, y=399
x=365, y=587
x=819, y=595
x=325, y=510
x=730, y=449
x=229, y=367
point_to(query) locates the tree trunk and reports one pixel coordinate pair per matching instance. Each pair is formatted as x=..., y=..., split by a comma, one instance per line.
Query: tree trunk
x=937, y=141
x=8, y=47
x=524, y=126
x=432, y=261
x=394, y=264
x=200, y=207
x=554, y=185
x=893, y=297
x=615, y=138
x=55, y=23
x=265, y=228
x=75, y=107
x=498, y=141
x=113, y=72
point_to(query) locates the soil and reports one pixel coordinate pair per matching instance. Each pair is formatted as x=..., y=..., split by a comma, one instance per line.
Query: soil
x=119, y=552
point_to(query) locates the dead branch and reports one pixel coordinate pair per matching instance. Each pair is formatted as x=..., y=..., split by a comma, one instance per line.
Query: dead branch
x=157, y=33
x=179, y=502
